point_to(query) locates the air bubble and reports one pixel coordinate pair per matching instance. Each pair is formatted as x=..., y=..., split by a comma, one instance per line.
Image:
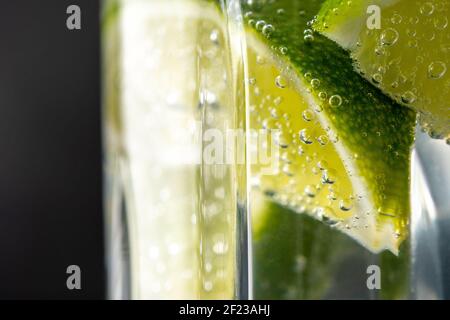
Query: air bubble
x=437, y=69
x=280, y=82
x=305, y=136
x=323, y=95
x=260, y=24
x=440, y=22
x=427, y=9
x=310, y=191
x=396, y=19
x=308, y=115
x=328, y=176
x=389, y=37
x=308, y=38
x=335, y=101
x=315, y=83
x=277, y=101
x=214, y=36
x=408, y=97
x=260, y=60
x=323, y=140
x=322, y=165
x=377, y=78
x=345, y=205
x=267, y=30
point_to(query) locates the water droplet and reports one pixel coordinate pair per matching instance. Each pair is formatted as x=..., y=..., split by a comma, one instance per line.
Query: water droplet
x=267, y=30
x=280, y=11
x=302, y=12
x=280, y=82
x=308, y=115
x=305, y=136
x=437, y=69
x=408, y=97
x=283, y=50
x=335, y=101
x=389, y=37
x=427, y=9
x=252, y=81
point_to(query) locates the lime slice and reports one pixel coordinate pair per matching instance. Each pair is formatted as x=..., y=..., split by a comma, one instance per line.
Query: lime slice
x=407, y=55
x=345, y=147
x=298, y=257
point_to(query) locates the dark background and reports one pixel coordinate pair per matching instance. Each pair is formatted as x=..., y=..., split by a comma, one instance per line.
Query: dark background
x=50, y=150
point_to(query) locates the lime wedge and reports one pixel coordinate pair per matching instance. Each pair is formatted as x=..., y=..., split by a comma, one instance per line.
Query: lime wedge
x=345, y=147
x=401, y=46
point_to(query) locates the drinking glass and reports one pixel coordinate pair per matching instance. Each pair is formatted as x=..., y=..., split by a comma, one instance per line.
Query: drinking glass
x=193, y=137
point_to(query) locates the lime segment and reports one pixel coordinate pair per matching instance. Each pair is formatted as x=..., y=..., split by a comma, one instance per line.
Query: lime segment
x=406, y=53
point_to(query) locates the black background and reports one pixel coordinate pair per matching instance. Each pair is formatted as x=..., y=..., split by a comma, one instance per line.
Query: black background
x=50, y=150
